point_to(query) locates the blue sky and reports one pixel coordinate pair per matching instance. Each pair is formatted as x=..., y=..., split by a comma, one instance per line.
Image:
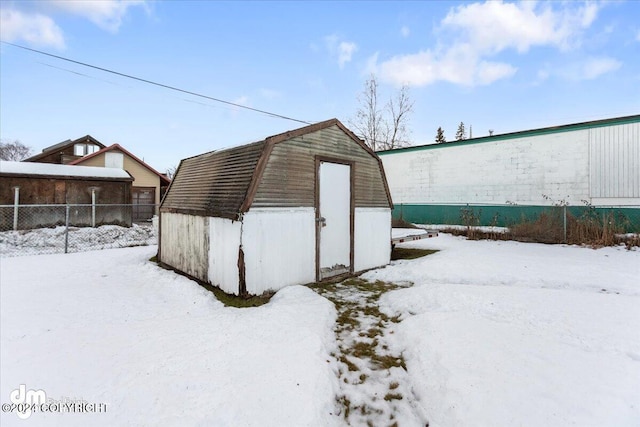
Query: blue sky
x=505, y=66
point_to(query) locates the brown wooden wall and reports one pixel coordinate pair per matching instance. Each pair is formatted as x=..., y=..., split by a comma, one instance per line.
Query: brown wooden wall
x=49, y=191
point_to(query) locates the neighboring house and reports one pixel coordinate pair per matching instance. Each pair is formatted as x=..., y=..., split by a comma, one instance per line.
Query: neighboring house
x=295, y=208
x=149, y=185
x=67, y=151
x=519, y=175
x=24, y=184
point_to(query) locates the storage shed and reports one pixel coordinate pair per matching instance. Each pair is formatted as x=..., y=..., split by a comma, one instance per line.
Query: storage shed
x=295, y=208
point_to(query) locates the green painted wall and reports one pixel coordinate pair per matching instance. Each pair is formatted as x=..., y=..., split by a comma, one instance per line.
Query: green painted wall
x=506, y=215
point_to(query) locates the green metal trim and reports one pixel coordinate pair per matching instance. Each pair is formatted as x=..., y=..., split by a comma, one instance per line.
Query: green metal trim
x=506, y=215
x=520, y=134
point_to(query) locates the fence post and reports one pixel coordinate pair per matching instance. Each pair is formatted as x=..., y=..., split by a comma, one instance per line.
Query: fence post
x=16, y=201
x=66, y=229
x=93, y=207
x=564, y=222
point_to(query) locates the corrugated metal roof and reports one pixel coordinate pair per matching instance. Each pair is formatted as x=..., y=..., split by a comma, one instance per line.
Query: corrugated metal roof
x=215, y=183
x=276, y=172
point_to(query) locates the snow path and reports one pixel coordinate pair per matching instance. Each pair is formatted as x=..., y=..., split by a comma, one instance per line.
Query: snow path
x=375, y=386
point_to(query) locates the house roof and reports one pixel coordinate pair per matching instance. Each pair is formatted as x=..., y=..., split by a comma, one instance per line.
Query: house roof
x=61, y=171
x=117, y=147
x=223, y=183
x=520, y=134
x=62, y=145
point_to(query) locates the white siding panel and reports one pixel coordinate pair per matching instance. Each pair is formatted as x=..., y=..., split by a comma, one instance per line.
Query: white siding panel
x=224, y=246
x=184, y=243
x=114, y=160
x=372, y=238
x=279, y=248
x=615, y=163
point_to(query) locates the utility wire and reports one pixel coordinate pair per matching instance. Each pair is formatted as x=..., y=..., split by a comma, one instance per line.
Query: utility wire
x=76, y=72
x=106, y=70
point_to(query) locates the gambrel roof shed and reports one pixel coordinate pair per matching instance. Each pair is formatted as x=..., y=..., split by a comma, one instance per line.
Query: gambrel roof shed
x=294, y=208
x=268, y=173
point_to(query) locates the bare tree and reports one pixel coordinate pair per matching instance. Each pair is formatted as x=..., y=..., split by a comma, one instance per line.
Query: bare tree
x=399, y=109
x=382, y=128
x=490, y=132
x=369, y=120
x=171, y=172
x=14, y=151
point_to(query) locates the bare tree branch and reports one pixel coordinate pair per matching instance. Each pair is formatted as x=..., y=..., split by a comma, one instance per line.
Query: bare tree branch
x=14, y=151
x=382, y=128
x=399, y=108
x=368, y=122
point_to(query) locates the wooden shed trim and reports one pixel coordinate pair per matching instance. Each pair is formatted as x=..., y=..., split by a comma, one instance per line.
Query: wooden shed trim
x=352, y=209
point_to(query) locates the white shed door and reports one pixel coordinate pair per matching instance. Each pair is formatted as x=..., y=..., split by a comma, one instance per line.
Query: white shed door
x=334, y=219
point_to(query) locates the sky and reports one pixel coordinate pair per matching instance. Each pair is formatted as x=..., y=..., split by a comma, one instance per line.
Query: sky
x=500, y=66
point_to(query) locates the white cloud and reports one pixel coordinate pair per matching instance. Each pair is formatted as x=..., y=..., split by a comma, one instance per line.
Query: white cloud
x=472, y=33
x=588, y=69
x=33, y=28
x=107, y=14
x=458, y=66
x=494, y=26
x=595, y=67
x=489, y=72
x=340, y=49
x=405, y=31
x=638, y=36
x=346, y=50
x=35, y=24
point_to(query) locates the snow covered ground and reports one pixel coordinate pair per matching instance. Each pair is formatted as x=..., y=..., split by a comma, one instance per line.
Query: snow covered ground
x=507, y=333
x=111, y=327
x=52, y=240
x=493, y=334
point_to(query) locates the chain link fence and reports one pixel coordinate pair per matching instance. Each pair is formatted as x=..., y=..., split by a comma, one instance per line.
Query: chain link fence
x=47, y=229
x=559, y=223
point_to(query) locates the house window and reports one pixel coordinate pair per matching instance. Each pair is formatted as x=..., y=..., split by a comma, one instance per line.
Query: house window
x=84, y=149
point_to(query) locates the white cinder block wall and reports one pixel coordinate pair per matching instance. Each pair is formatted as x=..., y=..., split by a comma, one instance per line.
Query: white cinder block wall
x=594, y=165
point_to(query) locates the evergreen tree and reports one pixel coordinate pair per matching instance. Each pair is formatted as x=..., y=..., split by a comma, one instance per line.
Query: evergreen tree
x=461, y=133
x=440, y=136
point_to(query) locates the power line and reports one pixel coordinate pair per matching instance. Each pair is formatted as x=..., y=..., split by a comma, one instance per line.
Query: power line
x=106, y=70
